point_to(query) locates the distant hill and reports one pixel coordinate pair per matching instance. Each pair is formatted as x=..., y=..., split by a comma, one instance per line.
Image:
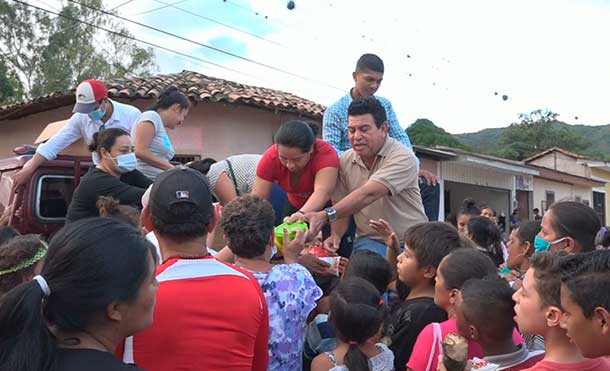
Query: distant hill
x=483, y=140
x=597, y=138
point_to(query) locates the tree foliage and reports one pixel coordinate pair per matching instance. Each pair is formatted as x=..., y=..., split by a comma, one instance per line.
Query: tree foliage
x=537, y=131
x=423, y=132
x=43, y=53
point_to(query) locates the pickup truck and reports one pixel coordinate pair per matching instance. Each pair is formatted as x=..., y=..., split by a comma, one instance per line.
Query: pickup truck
x=41, y=204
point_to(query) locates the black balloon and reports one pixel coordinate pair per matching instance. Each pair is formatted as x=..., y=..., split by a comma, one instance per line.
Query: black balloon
x=290, y=5
x=505, y=97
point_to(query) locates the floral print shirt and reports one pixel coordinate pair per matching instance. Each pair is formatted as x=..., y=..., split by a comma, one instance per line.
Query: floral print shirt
x=291, y=294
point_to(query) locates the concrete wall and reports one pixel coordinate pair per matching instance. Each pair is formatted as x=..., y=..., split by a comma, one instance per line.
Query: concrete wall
x=210, y=130
x=562, y=191
x=560, y=162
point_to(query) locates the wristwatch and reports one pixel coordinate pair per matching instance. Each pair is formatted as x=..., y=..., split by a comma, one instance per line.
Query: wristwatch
x=331, y=213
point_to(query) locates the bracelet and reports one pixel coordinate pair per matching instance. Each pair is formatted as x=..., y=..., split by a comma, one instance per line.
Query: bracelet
x=300, y=212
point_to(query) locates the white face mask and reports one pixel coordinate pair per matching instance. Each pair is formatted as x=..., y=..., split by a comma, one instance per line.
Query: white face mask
x=125, y=163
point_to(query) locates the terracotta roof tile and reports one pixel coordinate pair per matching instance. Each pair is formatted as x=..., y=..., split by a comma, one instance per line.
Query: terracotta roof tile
x=197, y=86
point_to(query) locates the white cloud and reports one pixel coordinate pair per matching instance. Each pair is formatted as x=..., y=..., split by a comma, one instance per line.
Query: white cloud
x=542, y=54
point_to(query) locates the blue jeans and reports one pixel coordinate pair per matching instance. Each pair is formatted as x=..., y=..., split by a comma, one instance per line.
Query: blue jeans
x=365, y=243
x=430, y=197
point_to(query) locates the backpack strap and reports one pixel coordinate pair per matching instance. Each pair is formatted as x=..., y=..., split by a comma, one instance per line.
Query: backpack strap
x=436, y=343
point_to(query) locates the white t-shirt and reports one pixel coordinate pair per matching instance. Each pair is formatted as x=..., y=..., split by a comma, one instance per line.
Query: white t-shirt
x=160, y=146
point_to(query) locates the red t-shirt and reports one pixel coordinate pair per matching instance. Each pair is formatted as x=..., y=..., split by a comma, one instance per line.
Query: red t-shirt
x=209, y=315
x=597, y=364
x=271, y=169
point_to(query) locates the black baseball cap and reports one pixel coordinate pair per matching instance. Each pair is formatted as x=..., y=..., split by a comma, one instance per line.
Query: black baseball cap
x=180, y=185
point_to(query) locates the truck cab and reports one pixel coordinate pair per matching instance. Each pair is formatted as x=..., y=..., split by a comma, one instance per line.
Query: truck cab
x=41, y=204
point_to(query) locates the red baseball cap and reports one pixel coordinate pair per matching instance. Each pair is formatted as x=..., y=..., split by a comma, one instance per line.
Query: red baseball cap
x=88, y=93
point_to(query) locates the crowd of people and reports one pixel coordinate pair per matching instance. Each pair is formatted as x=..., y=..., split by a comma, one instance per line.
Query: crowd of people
x=169, y=267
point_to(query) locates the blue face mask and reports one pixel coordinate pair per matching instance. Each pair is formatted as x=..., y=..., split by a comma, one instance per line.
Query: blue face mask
x=125, y=163
x=541, y=245
x=97, y=114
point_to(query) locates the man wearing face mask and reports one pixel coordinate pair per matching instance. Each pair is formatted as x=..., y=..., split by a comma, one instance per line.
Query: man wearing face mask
x=114, y=176
x=92, y=112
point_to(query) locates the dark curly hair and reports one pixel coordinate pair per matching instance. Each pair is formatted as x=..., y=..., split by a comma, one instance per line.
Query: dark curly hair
x=14, y=252
x=110, y=207
x=247, y=222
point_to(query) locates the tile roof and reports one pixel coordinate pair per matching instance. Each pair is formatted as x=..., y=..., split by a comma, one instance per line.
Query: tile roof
x=197, y=86
x=554, y=149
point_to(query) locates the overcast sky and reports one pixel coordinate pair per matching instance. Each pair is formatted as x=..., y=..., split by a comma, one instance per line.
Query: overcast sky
x=444, y=60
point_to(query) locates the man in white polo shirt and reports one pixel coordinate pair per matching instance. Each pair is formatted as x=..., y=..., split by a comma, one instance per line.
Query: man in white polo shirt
x=92, y=112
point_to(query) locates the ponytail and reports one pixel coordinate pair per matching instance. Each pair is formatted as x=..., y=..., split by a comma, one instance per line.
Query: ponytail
x=26, y=343
x=170, y=96
x=355, y=359
x=105, y=139
x=357, y=311
x=87, y=267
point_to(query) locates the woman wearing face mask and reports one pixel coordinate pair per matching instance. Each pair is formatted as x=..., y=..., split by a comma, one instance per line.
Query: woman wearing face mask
x=154, y=150
x=306, y=168
x=569, y=226
x=114, y=176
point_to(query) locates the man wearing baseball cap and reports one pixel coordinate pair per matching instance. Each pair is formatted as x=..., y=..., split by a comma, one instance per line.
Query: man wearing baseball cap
x=209, y=315
x=92, y=112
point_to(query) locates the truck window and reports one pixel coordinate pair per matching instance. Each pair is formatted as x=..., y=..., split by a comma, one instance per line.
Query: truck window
x=53, y=195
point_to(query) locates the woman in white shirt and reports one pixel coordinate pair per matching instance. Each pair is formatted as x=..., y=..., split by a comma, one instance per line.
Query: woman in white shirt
x=153, y=148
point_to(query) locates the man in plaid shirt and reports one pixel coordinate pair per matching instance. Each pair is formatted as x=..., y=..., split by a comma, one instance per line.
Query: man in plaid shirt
x=367, y=78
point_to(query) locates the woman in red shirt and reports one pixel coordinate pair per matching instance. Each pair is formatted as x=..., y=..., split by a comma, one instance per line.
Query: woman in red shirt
x=305, y=167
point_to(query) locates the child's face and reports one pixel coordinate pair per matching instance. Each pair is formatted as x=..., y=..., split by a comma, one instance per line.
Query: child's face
x=462, y=223
x=408, y=268
x=530, y=314
x=463, y=326
x=515, y=250
x=586, y=333
x=442, y=295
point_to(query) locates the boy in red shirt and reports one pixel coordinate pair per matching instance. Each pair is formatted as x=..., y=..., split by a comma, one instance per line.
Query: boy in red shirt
x=484, y=313
x=539, y=311
x=209, y=315
x=585, y=298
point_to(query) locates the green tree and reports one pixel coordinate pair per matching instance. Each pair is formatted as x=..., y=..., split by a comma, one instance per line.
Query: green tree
x=423, y=132
x=53, y=53
x=11, y=89
x=537, y=131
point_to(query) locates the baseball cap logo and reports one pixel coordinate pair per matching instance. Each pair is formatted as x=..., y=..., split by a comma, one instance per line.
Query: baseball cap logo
x=183, y=195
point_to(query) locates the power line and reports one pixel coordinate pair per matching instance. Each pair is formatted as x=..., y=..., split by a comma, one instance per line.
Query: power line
x=221, y=23
x=158, y=8
x=134, y=39
x=209, y=47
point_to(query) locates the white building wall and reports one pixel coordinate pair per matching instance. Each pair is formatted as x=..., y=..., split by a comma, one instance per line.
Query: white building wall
x=462, y=173
x=562, y=191
x=560, y=162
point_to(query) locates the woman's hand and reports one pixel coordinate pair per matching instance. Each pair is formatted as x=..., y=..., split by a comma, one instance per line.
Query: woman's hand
x=298, y=216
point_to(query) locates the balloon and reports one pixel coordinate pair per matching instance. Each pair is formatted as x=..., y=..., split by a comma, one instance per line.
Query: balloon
x=505, y=97
x=290, y=5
